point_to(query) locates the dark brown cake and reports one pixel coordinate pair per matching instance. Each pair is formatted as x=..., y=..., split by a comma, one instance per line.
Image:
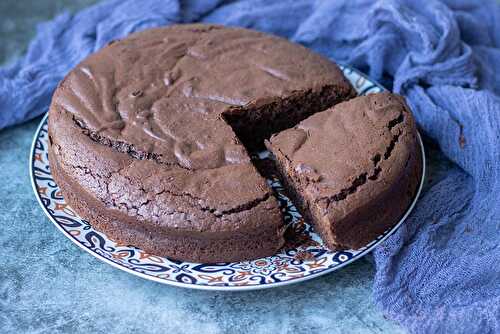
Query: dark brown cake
x=146, y=137
x=352, y=170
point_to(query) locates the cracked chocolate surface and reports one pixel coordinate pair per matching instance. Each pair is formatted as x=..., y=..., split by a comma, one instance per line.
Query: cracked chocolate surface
x=145, y=92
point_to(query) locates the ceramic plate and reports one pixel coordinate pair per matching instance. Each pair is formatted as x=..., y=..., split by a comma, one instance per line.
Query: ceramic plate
x=287, y=266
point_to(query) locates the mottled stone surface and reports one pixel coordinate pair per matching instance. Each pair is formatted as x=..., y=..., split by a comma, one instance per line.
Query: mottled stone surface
x=48, y=285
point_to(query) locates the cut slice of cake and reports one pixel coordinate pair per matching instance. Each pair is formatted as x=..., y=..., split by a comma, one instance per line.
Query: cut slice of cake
x=352, y=170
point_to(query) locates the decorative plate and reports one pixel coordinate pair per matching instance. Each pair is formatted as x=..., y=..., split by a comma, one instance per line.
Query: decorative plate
x=286, y=267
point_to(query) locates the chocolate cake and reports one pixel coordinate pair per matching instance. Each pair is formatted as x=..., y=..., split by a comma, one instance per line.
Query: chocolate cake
x=351, y=170
x=147, y=137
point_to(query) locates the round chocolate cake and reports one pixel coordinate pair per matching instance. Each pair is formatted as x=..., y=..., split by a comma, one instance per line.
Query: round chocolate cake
x=149, y=137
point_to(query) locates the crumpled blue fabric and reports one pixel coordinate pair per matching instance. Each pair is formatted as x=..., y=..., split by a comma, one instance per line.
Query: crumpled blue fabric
x=440, y=273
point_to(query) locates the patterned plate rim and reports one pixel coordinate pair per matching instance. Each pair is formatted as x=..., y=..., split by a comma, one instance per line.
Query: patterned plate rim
x=266, y=285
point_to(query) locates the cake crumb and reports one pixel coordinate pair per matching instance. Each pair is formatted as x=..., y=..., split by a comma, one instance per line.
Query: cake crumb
x=296, y=236
x=304, y=256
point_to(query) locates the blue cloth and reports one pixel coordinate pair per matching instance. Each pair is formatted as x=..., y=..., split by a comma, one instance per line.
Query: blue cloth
x=440, y=273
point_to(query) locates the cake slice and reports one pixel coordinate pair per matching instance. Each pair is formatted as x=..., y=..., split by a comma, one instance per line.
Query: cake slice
x=352, y=170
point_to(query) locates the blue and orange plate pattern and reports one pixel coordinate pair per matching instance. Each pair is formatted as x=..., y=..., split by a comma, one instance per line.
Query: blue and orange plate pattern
x=282, y=268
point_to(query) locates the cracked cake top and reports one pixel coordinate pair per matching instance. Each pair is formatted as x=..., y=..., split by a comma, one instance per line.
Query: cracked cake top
x=160, y=94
